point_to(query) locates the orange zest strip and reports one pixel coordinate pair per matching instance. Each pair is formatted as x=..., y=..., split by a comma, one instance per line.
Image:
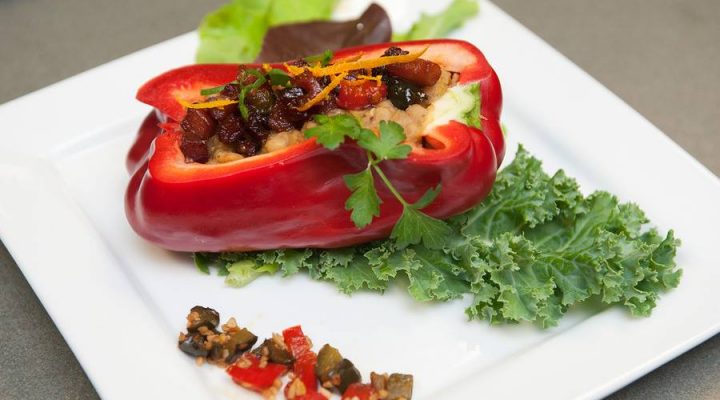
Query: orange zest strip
x=365, y=64
x=207, y=104
x=293, y=70
x=324, y=93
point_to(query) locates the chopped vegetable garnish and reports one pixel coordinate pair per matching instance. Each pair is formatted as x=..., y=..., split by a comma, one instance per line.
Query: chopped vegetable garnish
x=262, y=369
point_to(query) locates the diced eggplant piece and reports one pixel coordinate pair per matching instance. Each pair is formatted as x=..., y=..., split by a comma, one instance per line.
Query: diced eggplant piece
x=378, y=381
x=396, y=386
x=275, y=352
x=193, y=345
x=239, y=342
x=335, y=371
x=399, y=387
x=202, y=316
x=217, y=353
x=327, y=361
x=344, y=375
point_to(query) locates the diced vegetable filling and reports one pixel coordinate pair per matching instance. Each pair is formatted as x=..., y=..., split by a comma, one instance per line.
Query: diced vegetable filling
x=267, y=110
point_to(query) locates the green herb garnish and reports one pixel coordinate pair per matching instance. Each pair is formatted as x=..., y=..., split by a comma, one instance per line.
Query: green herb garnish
x=278, y=77
x=364, y=202
x=323, y=59
x=212, y=90
x=245, y=89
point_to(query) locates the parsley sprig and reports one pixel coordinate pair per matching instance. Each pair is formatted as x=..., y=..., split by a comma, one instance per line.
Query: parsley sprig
x=413, y=226
x=323, y=59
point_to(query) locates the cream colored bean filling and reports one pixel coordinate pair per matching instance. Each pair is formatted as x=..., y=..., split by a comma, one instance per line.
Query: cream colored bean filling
x=413, y=120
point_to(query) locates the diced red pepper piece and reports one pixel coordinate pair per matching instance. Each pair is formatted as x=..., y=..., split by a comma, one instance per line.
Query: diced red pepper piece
x=304, y=368
x=359, y=391
x=354, y=95
x=296, y=340
x=254, y=377
x=305, y=359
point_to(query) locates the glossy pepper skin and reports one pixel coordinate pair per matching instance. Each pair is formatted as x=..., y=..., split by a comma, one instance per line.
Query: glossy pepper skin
x=295, y=197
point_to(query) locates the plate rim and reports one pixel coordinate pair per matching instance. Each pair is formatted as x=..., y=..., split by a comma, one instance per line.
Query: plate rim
x=37, y=168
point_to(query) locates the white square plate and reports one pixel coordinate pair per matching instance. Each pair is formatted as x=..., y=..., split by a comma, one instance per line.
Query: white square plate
x=120, y=302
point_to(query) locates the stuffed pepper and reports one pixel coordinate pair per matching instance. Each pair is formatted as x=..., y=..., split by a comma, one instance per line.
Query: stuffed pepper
x=228, y=160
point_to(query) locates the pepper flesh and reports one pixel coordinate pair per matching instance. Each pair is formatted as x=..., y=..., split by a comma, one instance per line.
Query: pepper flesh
x=295, y=197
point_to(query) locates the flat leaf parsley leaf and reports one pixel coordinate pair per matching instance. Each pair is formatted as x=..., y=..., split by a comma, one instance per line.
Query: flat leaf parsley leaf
x=332, y=130
x=364, y=201
x=388, y=145
x=414, y=227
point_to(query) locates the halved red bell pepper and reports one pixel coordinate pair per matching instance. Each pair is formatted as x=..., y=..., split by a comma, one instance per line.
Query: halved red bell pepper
x=295, y=197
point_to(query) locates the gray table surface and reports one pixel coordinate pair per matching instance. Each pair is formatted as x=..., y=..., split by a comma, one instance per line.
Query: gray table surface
x=662, y=57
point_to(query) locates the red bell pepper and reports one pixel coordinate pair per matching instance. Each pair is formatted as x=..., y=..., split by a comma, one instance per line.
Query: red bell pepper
x=295, y=197
x=296, y=340
x=253, y=376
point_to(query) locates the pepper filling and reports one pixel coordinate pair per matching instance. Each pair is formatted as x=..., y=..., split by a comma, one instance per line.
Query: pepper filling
x=268, y=109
